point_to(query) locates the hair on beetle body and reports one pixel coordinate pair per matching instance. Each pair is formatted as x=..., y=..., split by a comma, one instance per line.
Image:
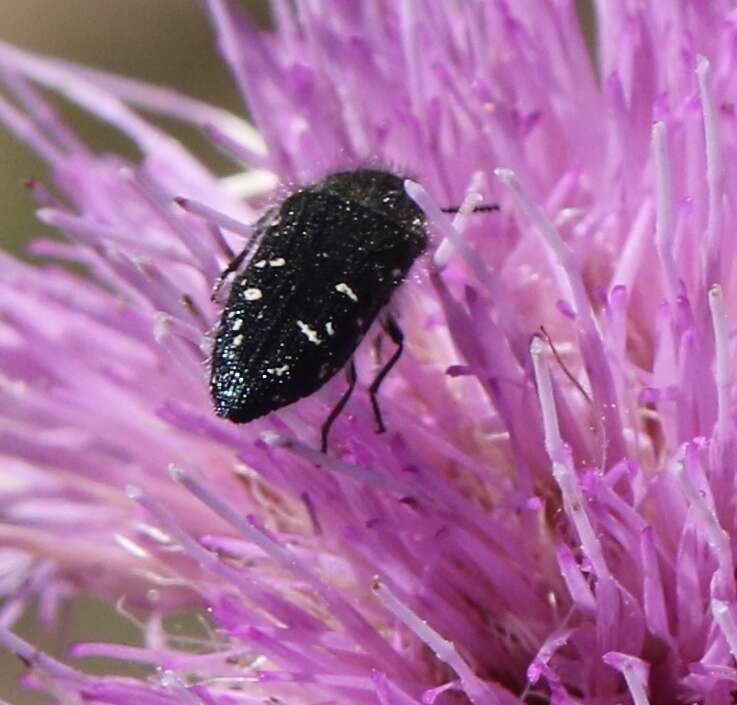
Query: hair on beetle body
x=321, y=267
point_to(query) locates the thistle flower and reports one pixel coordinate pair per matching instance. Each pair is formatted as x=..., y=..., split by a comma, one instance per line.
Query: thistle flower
x=549, y=517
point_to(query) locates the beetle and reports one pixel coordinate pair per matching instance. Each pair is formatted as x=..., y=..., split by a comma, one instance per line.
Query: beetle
x=326, y=263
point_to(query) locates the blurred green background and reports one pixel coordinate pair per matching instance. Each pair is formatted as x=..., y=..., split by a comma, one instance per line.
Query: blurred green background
x=168, y=42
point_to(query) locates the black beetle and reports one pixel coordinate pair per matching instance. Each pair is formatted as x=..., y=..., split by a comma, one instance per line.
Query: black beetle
x=327, y=261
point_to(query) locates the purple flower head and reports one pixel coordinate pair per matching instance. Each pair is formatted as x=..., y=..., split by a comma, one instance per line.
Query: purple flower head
x=550, y=516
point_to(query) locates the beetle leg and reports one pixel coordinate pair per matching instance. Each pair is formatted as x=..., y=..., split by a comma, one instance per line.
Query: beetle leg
x=350, y=374
x=376, y=348
x=392, y=329
x=233, y=265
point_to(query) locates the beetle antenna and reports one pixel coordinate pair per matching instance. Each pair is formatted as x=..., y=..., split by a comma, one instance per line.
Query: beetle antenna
x=482, y=208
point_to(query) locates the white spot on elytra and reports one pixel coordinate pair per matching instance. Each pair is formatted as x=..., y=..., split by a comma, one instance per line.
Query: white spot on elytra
x=278, y=371
x=329, y=328
x=237, y=341
x=277, y=262
x=252, y=294
x=343, y=288
x=237, y=324
x=260, y=264
x=309, y=333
